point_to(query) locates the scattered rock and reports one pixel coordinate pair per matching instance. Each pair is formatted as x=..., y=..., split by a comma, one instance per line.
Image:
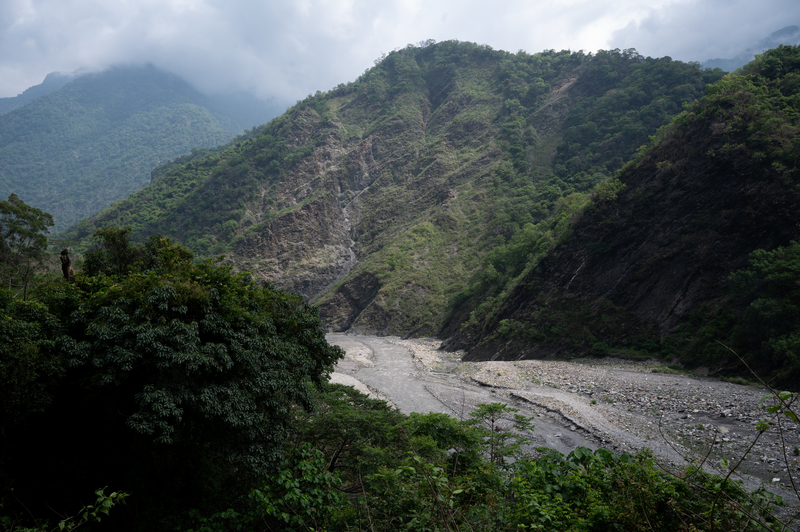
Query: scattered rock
x=695, y=415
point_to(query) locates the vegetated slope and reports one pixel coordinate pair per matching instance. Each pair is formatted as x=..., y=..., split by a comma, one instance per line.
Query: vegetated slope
x=381, y=198
x=660, y=261
x=52, y=82
x=74, y=151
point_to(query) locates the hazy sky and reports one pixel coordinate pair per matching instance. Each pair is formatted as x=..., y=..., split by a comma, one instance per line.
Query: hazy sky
x=288, y=49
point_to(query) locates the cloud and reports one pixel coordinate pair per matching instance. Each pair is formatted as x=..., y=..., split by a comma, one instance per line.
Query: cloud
x=286, y=50
x=706, y=29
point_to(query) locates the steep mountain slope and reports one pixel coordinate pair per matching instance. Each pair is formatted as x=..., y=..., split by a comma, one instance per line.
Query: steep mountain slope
x=381, y=198
x=75, y=150
x=648, y=265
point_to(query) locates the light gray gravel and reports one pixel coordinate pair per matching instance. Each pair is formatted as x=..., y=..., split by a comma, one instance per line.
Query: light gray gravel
x=616, y=404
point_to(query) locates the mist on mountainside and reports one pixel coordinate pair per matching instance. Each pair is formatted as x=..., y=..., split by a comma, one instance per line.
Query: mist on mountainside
x=790, y=35
x=74, y=144
x=242, y=107
x=52, y=82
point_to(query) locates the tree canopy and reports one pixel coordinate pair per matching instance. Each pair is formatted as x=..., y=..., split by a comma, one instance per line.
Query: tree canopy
x=189, y=370
x=23, y=242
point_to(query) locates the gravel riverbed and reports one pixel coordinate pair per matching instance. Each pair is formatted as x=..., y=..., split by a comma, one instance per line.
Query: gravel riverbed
x=625, y=405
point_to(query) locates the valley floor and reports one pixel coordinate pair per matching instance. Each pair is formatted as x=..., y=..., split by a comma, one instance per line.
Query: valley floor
x=620, y=405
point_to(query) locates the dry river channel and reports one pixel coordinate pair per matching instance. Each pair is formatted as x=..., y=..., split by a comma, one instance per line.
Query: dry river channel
x=620, y=405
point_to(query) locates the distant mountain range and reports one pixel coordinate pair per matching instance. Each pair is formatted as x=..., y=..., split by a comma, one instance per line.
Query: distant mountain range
x=244, y=109
x=790, y=35
x=78, y=142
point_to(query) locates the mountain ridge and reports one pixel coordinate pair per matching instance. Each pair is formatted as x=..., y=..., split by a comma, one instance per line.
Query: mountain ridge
x=657, y=256
x=52, y=82
x=77, y=142
x=405, y=179
x=95, y=139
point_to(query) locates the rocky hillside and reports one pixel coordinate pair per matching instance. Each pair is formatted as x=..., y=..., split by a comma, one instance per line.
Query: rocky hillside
x=382, y=199
x=662, y=260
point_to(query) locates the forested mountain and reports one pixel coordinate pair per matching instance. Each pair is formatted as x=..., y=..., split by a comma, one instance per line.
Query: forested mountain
x=51, y=83
x=73, y=150
x=382, y=198
x=695, y=242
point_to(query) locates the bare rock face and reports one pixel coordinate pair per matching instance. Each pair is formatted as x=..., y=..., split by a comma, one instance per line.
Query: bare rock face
x=310, y=245
x=348, y=302
x=308, y=248
x=358, y=191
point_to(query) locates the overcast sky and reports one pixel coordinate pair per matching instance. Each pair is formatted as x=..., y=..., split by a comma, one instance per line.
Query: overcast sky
x=288, y=49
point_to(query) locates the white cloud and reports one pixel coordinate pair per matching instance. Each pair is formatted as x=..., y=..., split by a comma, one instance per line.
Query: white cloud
x=290, y=49
x=705, y=29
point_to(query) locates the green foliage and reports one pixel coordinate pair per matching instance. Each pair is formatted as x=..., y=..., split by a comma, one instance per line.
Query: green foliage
x=77, y=150
x=501, y=443
x=29, y=367
x=201, y=349
x=767, y=333
x=602, y=491
x=432, y=472
x=189, y=375
x=343, y=423
x=92, y=513
x=304, y=495
x=624, y=98
x=115, y=257
x=22, y=242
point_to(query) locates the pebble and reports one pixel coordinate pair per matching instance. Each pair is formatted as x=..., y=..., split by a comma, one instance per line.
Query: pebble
x=694, y=413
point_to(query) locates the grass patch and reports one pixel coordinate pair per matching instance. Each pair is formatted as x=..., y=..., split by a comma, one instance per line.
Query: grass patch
x=738, y=380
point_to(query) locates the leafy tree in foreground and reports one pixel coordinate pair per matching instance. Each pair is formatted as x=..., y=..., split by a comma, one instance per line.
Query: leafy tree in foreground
x=181, y=377
x=28, y=365
x=22, y=242
x=404, y=473
x=501, y=444
x=29, y=368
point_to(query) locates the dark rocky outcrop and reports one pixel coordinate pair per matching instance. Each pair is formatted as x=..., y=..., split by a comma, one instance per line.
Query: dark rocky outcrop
x=644, y=256
x=349, y=301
